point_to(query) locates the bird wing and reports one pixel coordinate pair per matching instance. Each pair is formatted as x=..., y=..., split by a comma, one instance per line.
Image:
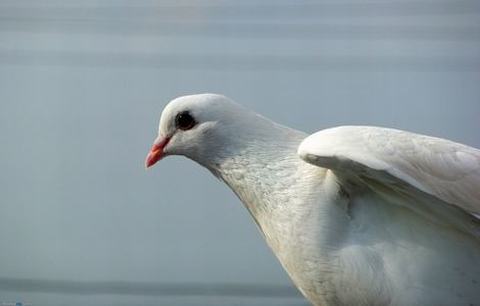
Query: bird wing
x=409, y=163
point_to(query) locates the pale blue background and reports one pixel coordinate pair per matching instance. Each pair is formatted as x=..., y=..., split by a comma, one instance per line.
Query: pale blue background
x=82, y=85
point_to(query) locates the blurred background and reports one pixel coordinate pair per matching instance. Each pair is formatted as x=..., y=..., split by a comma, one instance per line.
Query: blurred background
x=82, y=85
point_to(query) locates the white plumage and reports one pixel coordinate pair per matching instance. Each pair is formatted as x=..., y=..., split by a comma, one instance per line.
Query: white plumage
x=444, y=169
x=360, y=216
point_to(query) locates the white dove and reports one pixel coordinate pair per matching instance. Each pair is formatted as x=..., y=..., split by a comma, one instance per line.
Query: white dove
x=356, y=215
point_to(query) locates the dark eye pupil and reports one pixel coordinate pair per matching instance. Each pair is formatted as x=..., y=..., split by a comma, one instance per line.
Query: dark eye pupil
x=185, y=121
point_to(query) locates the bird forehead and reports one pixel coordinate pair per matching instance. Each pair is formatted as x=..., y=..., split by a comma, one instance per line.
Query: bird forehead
x=198, y=109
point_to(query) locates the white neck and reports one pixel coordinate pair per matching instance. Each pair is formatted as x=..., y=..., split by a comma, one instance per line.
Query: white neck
x=264, y=171
x=285, y=195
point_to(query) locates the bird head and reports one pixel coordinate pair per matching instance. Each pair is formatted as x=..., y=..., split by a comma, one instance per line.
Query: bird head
x=196, y=126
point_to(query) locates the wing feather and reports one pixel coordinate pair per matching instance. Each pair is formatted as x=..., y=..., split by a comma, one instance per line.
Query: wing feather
x=443, y=169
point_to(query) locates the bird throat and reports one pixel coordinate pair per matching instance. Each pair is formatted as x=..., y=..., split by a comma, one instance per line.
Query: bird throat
x=260, y=176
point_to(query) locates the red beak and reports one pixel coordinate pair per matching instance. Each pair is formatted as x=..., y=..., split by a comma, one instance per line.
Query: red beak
x=156, y=152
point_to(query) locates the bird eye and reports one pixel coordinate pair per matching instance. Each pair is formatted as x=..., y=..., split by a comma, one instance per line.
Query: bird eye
x=185, y=121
